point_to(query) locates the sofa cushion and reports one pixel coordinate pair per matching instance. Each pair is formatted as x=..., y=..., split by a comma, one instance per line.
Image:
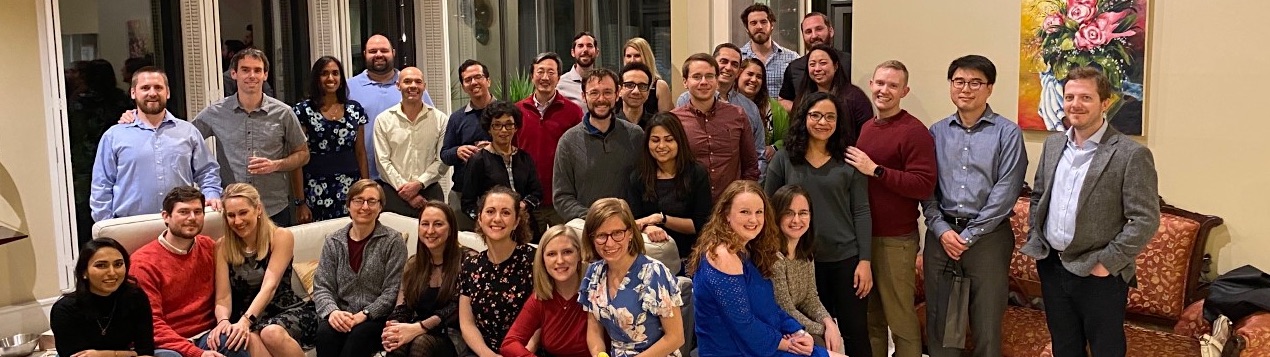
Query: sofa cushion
x=135, y=231
x=1162, y=269
x=1023, y=332
x=304, y=273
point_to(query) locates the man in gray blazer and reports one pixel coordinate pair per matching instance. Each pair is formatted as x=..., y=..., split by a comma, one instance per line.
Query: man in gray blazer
x=1094, y=208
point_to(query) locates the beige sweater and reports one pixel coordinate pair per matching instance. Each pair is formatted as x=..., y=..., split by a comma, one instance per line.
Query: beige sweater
x=795, y=284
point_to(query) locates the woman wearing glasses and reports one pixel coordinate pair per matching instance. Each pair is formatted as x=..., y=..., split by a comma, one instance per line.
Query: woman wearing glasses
x=500, y=163
x=357, y=277
x=814, y=159
x=496, y=282
x=669, y=189
x=794, y=272
x=632, y=299
x=825, y=77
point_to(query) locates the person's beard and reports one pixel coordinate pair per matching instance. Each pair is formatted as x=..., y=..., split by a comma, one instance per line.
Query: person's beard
x=379, y=67
x=144, y=106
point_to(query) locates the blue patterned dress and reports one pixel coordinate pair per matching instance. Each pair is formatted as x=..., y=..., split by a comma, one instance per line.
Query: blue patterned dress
x=632, y=317
x=332, y=166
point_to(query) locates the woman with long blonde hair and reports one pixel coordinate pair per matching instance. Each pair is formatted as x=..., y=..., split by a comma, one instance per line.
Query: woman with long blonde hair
x=638, y=50
x=255, y=305
x=552, y=311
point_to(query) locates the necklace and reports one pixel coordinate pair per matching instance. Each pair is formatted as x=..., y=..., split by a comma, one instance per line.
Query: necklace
x=164, y=242
x=109, y=318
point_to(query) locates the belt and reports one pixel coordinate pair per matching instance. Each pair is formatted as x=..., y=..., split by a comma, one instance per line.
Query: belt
x=960, y=222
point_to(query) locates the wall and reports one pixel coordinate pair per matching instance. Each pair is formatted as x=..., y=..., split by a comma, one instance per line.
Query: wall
x=26, y=189
x=1207, y=71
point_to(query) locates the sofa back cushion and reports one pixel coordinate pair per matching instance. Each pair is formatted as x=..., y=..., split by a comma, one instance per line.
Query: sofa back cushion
x=136, y=231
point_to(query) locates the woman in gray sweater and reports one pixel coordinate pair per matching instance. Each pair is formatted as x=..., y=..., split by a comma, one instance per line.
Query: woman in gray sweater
x=794, y=273
x=358, y=277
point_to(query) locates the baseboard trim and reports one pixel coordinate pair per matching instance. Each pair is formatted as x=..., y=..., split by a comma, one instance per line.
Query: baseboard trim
x=30, y=317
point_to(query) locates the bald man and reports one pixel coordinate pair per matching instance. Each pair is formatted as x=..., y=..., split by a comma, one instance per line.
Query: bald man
x=407, y=142
x=376, y=88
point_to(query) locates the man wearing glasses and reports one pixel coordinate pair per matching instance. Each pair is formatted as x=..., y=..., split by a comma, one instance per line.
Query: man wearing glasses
x=408, y=148
x=636, y=80
x=547, y=116
x=598, y=147
x=728, y=56
x=981, y=162
x=463, y=134
x=719, y=133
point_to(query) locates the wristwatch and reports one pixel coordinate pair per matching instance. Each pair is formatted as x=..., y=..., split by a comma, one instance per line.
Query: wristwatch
x=878, y=172
x=251, y=318
x=298, y=203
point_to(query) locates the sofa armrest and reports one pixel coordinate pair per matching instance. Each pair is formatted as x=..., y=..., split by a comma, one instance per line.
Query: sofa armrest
x=1252, y=334
x=1192, y=323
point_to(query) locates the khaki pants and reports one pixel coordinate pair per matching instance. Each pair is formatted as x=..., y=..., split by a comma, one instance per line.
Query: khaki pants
x=891, y=303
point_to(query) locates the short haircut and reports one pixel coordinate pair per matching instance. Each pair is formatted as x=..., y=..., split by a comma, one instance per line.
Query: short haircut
x=148, y=69
x=895, y=65
x=361, y=186
x=499, y=109
x=594, y=41
x=598, y=74
x=250, y=52
x=821, y=15
x=182, y=194
x=727, y=45
x=471, y=62
x=547, y=56
x=745, y=14
x=638, y=66
x=700, y=57
x=601, y=211
x=977, y=63
x=131, y=66
x=1103, y=84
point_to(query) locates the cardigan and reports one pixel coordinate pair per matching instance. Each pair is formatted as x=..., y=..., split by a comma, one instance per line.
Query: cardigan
x=540, y=131
x=374, y=287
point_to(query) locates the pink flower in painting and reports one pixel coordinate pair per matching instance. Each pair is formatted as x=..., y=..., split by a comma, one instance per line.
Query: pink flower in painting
x=1089, y=3
x=1100, y=31
x=1080, y=13
x=1053, y=22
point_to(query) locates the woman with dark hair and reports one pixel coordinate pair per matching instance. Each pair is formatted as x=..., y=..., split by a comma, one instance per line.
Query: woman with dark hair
x=823, y=75
x=794, y=274
x=500, y=163
x=751, y=84
x=107, y=314
x=498, y=280
x=814, y=159
x=736, y=310
x=334, y=125
x=669, y=190
x=427, y=312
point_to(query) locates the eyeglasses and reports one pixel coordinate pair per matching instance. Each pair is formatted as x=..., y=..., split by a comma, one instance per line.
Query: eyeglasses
x=817, y=116
x=616, y=236
x=474, y=78
x=642, y=87
x=497, y=127
x=974, y=85
x=598, y=94
x=357, y=202
x=707, y=77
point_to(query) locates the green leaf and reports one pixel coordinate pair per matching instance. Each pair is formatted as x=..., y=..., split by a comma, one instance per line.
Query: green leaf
x=1067, y=45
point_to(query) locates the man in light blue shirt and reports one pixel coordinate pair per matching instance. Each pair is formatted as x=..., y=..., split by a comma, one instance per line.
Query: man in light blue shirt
x=376, y=88
x=759, y=21
x=139, y=162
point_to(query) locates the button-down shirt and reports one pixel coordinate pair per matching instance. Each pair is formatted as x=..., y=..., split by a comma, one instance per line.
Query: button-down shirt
x=719, y=139
x=137, y=164
x=757, y=129
x=1069, y=177
x=271, y=131
x=775, y=64
x=981, y=171
x=463, y=128
x=375, y=98
x=570, y=86
x=410, y=150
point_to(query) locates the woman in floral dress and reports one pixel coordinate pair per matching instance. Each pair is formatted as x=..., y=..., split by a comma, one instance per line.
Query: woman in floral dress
x=496, y=282
x=337, y=156
x=632, y=299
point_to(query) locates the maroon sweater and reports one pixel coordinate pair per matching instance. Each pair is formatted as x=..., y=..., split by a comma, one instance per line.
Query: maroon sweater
x=563, y=326
x=903, y=146
x=539, y=134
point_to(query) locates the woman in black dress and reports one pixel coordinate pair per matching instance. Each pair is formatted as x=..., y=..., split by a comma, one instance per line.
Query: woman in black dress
x=669, y=190
x=107, y=314
x=427, y=312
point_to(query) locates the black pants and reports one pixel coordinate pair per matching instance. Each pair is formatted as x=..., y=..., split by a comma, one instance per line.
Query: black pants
x=987, y=264
x=395, y=204
x=834, y=282
x=362, y=341
x=1082, y=310
x=286, y=218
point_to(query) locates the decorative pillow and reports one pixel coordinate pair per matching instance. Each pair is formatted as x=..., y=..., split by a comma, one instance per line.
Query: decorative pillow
x=305, y=272
x=1162, y=269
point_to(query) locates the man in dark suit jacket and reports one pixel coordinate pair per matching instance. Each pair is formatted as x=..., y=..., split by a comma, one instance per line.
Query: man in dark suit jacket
x=1094, y=209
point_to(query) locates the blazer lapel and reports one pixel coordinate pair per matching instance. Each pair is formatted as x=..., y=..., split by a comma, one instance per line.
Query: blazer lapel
x=1101, y=158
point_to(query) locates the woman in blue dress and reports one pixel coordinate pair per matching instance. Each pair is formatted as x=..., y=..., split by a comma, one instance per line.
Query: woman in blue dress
x=337, y=154
x=631, y=299
x=735, y=305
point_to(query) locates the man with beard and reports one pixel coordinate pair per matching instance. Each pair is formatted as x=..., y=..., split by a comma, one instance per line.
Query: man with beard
x=719, y=133
x=260, y=139
x=817, y=30
x=599, y=146
x=376, y=88
x=408, y=142
x=463, y=134
x=547, y=115
x=728, y=56
x=173, y=271
x=759, y=20
x=138, y=162
x=585, y=50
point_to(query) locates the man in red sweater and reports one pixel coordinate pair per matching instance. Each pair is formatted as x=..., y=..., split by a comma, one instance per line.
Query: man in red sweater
x=176, y=273
x=897, y=152
x=548, y=114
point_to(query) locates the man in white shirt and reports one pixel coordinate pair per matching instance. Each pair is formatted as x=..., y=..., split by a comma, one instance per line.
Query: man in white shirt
x=408, y=138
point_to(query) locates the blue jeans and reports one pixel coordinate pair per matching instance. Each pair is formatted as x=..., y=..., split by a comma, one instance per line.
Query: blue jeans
x=202, y=343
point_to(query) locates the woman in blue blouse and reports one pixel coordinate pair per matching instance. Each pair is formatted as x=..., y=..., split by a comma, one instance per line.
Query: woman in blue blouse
x=736, y=310
x=632, y=299
x=337, y=157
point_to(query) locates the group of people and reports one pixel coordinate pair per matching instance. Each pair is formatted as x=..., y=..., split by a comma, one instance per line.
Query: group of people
x=716, y=172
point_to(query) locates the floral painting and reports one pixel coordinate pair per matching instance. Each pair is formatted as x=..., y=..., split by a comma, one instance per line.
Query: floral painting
x=1058, y=35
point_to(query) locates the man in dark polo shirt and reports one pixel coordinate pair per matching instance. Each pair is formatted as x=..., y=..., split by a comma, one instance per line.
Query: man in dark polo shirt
x=817, y=30
x=259, y=140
